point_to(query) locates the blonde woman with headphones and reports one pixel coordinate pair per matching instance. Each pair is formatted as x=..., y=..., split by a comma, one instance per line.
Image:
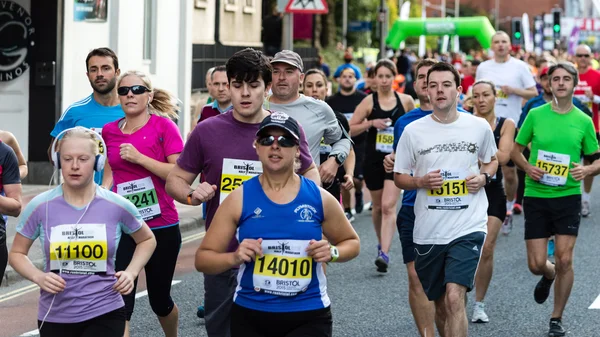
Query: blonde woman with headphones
x=142, y=149
x=81, y=291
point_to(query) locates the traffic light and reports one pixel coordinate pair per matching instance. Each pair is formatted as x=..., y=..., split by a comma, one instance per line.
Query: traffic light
x=556, y=14
x=517, y=34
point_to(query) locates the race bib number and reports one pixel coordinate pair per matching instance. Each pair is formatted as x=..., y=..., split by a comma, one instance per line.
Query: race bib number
x=235, y=172
x=79, y=249
x=501, y=94
x=324, y=148
x=284, y=269
x=142, y=194
x=556, y=166
x=385, y=140
x=453, y=195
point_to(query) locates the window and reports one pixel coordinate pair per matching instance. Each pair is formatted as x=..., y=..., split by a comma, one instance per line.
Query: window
x=201, y=4
x=249, y=7
x=231, y=5
x=149, y=48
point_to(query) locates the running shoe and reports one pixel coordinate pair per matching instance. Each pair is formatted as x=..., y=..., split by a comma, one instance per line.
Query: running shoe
x=360, y=204
x=551, y=247
x=349, y=216
x=507, y=225
x=382, y=262
x=517, y=209
x=479, y=315
x=556, y=328
x=542, y=290
x=585, y=209
x=200, y=312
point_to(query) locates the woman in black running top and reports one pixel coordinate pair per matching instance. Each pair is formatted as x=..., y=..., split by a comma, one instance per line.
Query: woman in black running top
x=484, y=101
x=376, y=115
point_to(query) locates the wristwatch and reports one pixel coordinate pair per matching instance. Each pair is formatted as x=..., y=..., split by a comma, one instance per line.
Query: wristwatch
x=488, y=178
x=335, y=253
x=340, y=158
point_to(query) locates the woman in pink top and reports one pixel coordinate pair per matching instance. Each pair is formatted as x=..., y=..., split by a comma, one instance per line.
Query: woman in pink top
x=142, y=149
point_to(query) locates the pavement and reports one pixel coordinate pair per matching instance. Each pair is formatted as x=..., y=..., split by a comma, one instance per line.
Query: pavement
x=190, y=219
x=367, y=303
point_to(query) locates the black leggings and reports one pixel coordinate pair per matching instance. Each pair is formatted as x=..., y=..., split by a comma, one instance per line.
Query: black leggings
x=159, y=269
x=3, y=258
x=111, y=324
x=252, y=323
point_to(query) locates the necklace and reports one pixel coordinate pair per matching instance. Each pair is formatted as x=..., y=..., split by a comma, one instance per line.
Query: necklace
x=136, y=127
x=556, y=108
x=445, y=119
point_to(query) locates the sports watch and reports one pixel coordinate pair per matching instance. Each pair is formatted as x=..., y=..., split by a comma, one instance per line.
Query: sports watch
x=335, y=253
x=488, y=178
x=340, y=158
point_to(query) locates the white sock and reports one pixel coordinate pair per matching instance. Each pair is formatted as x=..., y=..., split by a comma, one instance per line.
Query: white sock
x=509, y=205
x=585, y=196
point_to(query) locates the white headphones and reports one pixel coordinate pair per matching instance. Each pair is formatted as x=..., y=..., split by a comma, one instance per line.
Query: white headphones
x=100, y=158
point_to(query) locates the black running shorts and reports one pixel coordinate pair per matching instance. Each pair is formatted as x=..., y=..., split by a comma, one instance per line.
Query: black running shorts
x=545, y=217
x=456, y=262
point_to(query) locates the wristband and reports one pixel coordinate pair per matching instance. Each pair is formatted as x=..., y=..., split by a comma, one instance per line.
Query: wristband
x=189, y=198
x=335, y=253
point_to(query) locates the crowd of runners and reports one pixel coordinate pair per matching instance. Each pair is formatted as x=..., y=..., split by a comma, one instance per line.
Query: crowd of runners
x=279, y=163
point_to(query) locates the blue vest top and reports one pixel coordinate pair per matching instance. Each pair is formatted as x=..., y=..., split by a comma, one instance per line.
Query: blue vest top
x=285, y=279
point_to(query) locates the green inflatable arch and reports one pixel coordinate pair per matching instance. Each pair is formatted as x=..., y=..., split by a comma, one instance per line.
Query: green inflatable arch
x=476, y=26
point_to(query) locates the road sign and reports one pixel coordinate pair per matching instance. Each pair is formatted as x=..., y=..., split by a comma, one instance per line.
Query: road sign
x=307, y=7
x=359, y=26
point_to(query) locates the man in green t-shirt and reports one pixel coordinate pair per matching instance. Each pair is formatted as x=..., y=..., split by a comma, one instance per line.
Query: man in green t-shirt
x=552, y=202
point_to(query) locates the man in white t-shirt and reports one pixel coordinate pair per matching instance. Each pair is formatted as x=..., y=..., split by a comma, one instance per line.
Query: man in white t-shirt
x=443, y=152
x=514, y=84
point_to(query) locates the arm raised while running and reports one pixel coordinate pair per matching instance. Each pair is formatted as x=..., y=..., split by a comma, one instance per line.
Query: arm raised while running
x=179, y=186
x=145, y=245
x=212, y=257
x=18, y=259
x=359, y=122
x=507, y=142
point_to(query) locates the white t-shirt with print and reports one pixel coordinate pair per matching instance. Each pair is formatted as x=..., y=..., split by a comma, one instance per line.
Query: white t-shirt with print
x=456, y=149
x=514, y=73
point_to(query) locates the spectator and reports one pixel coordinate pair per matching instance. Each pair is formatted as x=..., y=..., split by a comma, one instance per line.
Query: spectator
x=272, y=32
x=348, y=58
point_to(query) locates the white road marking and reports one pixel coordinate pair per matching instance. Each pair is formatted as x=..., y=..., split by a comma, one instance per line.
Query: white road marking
x=145, y=292
x=138, y=295
x=596, y=304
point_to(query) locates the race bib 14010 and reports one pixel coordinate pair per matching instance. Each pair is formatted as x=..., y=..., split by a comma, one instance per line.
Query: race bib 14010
x=78, y=249
x=284, y=269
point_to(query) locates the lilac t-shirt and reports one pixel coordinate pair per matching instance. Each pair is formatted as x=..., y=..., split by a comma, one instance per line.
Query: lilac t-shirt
x=223, y=142
x=86, y=255
x=158, y=139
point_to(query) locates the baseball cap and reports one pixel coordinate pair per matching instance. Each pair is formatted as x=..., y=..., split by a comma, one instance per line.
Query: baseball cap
x=544, y=71
x=283, y=121
x=289, y=57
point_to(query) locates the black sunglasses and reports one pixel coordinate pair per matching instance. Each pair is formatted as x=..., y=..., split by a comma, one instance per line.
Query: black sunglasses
x=283, y=141
x=582, y=55
x=135, y=89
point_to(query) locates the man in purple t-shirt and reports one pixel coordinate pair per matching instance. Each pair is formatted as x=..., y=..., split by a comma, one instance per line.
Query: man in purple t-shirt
x=221, y=149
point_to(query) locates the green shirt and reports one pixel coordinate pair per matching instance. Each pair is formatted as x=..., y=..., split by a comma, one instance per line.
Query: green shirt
x=558, y=140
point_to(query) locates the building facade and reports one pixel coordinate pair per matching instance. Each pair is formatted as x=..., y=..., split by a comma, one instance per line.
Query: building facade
x=153, y=36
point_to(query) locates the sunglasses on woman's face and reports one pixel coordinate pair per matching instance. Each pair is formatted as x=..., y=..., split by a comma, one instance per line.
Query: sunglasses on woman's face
x=283, y=141
x=135, y=89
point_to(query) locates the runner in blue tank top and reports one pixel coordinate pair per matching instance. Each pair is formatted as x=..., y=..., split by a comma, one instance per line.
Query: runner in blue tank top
x=279, y=218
